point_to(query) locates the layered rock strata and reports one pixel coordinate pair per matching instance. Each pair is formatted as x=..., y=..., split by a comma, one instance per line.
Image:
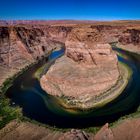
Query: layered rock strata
x=22, y=42
x=130, y=40
x=86, y=45
x=22, y=45
x=84, y=72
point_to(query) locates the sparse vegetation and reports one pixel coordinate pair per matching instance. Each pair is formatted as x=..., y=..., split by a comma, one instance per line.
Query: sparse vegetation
x=92, y=129
x=8, y=113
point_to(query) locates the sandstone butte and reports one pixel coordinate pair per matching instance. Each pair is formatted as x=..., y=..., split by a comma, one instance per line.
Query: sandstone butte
x=23, y=42
x=85, y=75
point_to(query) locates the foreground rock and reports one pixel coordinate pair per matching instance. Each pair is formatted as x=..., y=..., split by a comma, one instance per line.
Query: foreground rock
x=76, y=135
x=24, y=130
x=104, y=133
x=126, y=130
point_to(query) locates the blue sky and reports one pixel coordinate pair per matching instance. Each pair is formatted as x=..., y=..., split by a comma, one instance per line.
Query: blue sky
x=70, y=9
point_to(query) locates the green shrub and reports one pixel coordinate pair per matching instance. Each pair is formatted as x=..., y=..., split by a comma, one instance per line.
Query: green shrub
x=8, y=113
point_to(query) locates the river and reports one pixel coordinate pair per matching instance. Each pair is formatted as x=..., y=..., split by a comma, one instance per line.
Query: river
x=37, y=105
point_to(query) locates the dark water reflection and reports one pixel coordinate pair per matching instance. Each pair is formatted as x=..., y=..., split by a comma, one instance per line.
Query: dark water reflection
x=37, y=105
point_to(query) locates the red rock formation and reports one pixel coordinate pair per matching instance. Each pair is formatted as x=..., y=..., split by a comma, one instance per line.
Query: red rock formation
x=105, y=133
x=35, y=38
x=130, y=36
x=81, y=46
x=126, y=130
x=22, y=45
x=76, y=75
x=85, y=45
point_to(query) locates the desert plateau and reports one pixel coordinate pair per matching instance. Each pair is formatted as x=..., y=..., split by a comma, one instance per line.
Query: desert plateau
x=82, y=73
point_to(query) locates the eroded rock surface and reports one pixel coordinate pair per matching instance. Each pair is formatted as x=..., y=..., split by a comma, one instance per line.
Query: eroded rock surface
x=89, y=67
x=22, y=45
x=126, y=130
x=85, y=71
x=130, y=40
x=75, y=135
x=22, y=42
x=104, y=133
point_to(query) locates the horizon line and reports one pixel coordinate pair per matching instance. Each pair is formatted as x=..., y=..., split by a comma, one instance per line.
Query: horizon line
x=69, y=20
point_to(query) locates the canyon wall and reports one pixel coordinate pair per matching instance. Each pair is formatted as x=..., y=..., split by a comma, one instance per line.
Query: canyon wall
x=29, y=42
x=89, y=67
x=22, y=45
x=130, y=40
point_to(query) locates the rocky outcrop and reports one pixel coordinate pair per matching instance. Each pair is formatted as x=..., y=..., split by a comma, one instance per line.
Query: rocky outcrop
x=104, y=133
x=130, y=36
x=126, y=130
x=75, y=135
x=34, y=38
x=87, y=45
x=87, y=70
x=21, y=45
x=88, y=53
x=59, y=32
x=130, y=40
x=81, y=46
x=14, y=131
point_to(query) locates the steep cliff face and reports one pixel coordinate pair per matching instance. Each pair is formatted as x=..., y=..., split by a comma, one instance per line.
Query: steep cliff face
x=130, y=36
x=29, y=42
x=22, y=45
x=12, y=51
x=59, y=32
x=83, y=46
x=130, y=39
